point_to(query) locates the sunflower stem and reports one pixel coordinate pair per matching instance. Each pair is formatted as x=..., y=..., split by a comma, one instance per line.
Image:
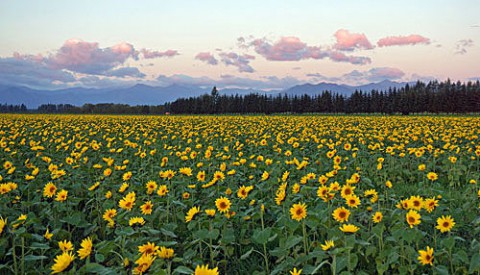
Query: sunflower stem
x=23, y=255
x=264, y=245
x=304, y=231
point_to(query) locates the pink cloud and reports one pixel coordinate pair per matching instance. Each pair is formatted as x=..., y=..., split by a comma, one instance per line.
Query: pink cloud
x=148, y=54
x=286, y=49
x=293, y=49
x=207, y=57
x=412, y=39
x=239, y=61
x=341, y=57
x=86, y=57
x=347, y=41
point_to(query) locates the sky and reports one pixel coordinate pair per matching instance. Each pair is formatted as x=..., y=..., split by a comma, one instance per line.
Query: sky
x=245, y=44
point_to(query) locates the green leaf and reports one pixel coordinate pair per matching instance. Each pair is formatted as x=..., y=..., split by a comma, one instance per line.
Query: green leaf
x=247, y=254
x=36, y=245
x=213, y=234
x=291, y=242
x=95, y=268
x=228, y=236
x=474, y=264
x=29, y=258
x=99, y=257
x=201, y=234
x=353, y=260
x=261, y=236
x=441, y=269
x=449, y=242
x=168, y=233
x=182, y=270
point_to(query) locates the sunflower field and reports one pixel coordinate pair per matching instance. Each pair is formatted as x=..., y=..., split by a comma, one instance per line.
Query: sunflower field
x=239, y=194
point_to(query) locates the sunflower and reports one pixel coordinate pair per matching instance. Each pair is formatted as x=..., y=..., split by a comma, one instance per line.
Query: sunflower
x=94, y=186
x=143, y=263
x=127, y=202
x=187, y=171
x=416, y=202
x=107, y=172
x=162, y=190
x=191, y=213
x=377, y=217
x=432, y=176
x=341, y=214
x=223, y=204
x=127, y=176
x=349, y=228
x=298, y=211
x=426, y=256
x=109, y=214
x=147, y=208
x=218, y=176
x=347, y=190
x=285, y=175
x=62, y=196
x=296, y=188
x=148, y=248
x=445, y=223
x=62, y=262
x=210, y=212
x=388, y=184
x=353, y=201
x=136, y=221
x=151, y=187
x=86, y=250
x=204, y=270
x=322, y=191
x=281, y=193
x=294, y=271
x=327, y=245
x=65, y=245
x=123, y=187
x=169, y=174
x=165, y=253
x=47, y=234
x=3, y=222
x=201, y=175
x=49, y=190
x=265, y=175
x=243, y=191
x=371, y=193
x=413, y=218
x=430, y=204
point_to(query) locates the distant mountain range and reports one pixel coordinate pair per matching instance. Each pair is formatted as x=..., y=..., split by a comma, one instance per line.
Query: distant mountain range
x=148, y=95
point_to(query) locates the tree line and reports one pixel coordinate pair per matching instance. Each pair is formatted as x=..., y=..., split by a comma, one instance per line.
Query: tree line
x=431, y=97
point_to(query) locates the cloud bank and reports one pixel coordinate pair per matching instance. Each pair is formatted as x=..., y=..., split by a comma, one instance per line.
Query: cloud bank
x=412, y=39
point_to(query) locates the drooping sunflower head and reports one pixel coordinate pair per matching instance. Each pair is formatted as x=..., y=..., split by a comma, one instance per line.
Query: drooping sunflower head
x=349, y=228
x=62, y=262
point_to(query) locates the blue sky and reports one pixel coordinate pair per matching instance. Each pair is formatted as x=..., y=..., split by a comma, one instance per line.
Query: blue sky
x=249, y=44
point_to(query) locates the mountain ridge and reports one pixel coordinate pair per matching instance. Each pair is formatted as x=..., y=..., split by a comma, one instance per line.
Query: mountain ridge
x=141, y=94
